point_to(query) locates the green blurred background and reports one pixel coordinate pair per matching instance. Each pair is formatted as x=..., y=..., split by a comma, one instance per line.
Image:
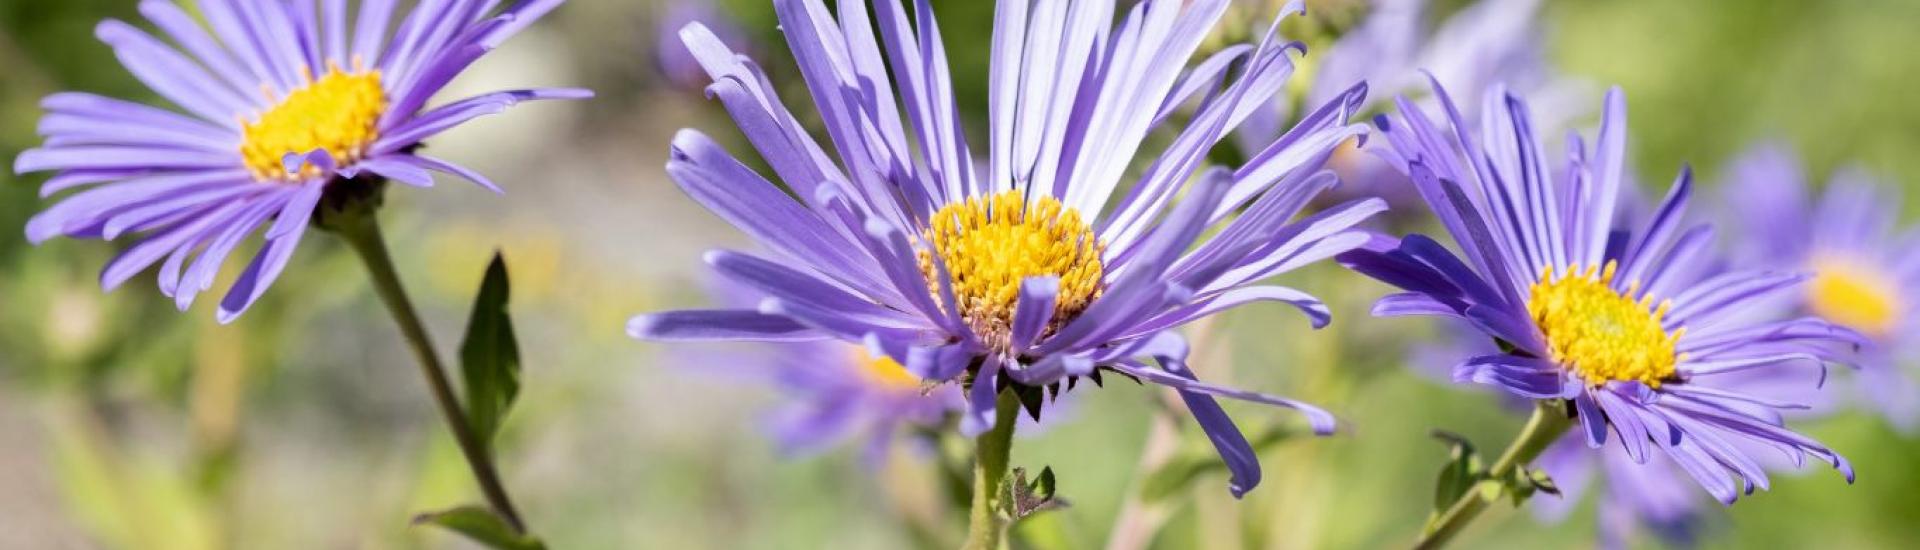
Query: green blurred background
x=124, y=424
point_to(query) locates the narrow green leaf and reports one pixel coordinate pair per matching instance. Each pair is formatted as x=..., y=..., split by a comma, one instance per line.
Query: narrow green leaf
x=489, y=355
x=480, y=525
x=1459, y=474
x=1272, y=438
x=1170, y=478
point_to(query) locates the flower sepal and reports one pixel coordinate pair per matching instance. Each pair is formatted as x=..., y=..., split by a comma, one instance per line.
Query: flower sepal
x=347, y=202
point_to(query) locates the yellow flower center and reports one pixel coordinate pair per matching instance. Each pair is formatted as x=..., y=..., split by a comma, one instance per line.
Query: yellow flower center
x=1602, y=334
x=883, y=371
x=991, y=244
x=337, y=113
x=1852, y=294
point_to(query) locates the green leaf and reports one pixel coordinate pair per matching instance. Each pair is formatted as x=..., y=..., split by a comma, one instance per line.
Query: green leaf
x=489, y=356
x=1525, y=482
x=1542, y=482
x=1043, y=487
x=1459, y=474
x=480, y=525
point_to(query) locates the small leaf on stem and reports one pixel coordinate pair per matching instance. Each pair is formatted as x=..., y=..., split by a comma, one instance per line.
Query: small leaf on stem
x=1025, y=498
x=1462, y=471
x=489, y=355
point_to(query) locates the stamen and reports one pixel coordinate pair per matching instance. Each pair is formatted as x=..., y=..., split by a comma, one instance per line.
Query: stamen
x=990, y=245
x=338, y=113
x=1600, y=333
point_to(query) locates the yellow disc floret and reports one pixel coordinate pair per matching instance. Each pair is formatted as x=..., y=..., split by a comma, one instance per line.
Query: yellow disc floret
x=1602, y=334
x=991, y=244
x=338, y=113
x=883, y=371
x=1853, y=294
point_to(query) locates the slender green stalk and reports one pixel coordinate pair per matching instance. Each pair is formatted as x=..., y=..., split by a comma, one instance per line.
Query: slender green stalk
x=989, y=469
x=362, y=231
x=1549, y=421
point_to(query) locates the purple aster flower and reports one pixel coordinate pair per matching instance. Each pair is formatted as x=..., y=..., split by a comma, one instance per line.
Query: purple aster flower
x=1040, y=268
x=1863, y=265
x=281, y=100
x=1627, y=324
x=1633, y=498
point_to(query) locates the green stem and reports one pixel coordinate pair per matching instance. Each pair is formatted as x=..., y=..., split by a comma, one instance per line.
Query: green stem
x=1549, y=421
x=989, y=469
x=362, y=231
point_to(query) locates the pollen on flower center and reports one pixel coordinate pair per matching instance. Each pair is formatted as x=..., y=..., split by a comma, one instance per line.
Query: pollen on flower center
x=1600, y=333
x=1855, y=295
x=883, y=371
x=338, y=113
x=991, y=244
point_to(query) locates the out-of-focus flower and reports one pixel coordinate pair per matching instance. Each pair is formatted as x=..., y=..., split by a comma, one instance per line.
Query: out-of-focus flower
x=281, y=100
x=832, y=390
x=1038, y=271
x=1630, y=326
x=1865, y=268
x=676, y=65
x=1487, y=44
x=838, y=390
x=1632, y=495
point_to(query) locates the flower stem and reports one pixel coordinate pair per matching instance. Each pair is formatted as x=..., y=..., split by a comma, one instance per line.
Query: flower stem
x=989, y=469
x=1548, y=422
x=362, y=231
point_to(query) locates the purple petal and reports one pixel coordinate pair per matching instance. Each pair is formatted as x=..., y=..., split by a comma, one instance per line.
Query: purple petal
x=431, y=123
x=111, y=158
x=1323, y=423
x=1524, y=376
x=718, y=325
x=979, y=415
x=1033, y=310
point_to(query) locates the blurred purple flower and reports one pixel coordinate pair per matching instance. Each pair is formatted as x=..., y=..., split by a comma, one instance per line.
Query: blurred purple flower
x=1864, y=265
x=280, y=102
x=836, y=390
x=1629, y=326
x=831, y=390
x=1486, y=44
x=1045, y=269
x=1633, y=496
x=677, y=65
